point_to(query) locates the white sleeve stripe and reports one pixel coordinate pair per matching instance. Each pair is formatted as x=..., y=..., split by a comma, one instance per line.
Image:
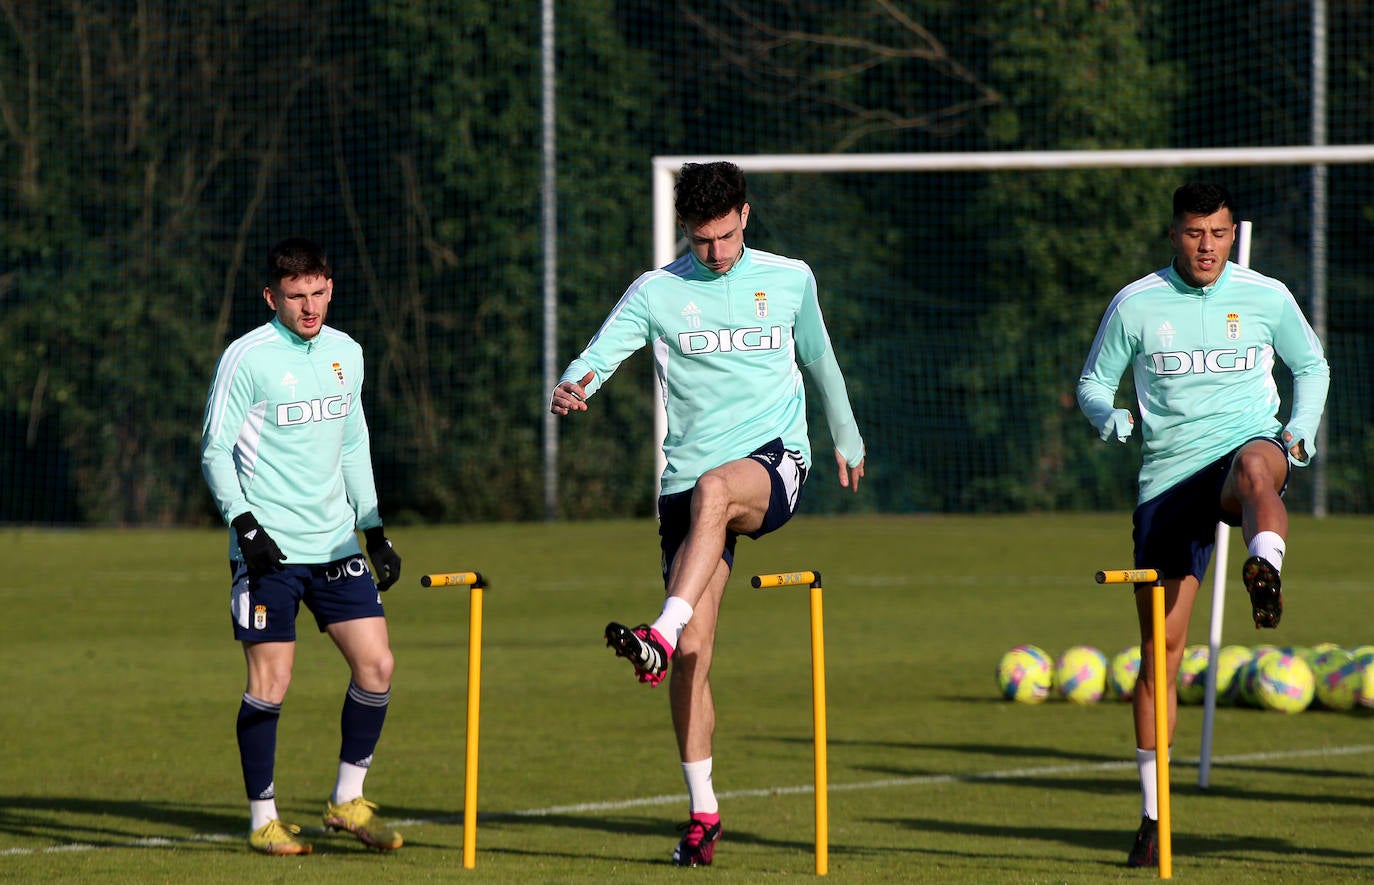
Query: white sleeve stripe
x=768, y=259
x=1144, y=284
x=249, y=438
x=624, y=300
x=1255, y=278
x=229, y=365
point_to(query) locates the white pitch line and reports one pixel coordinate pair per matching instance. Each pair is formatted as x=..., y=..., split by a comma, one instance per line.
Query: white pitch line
x=927, y=780
x=887, y=783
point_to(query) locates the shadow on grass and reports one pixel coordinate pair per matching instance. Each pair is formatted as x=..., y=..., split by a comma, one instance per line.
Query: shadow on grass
x=111, y=822
x=1018, y=772
x=663, y=835
x=1016, y=754
x=65, y=822
x=1239, y=847
x=999, y=750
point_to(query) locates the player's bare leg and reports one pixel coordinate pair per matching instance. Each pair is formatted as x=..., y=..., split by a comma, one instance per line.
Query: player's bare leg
x=1179, y=594
x=731, y=498
x=1252, y=489
x=269, y=669
x=365, y=644
x=694, y=712
x=694, y=722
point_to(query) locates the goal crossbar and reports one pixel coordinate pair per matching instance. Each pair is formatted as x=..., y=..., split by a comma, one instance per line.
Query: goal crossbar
x=990, y=161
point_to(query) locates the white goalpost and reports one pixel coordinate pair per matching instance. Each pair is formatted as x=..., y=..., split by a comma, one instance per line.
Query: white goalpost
x=667, y=247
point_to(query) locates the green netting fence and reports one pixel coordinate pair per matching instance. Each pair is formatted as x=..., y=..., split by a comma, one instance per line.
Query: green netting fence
x=151, y=152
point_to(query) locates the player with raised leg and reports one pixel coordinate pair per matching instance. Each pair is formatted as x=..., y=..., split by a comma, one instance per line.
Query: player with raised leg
x=285, y=451
x=1201, y=337
x=733, y=329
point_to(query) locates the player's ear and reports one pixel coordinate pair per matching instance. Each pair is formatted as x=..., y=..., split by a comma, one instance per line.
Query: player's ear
x=270, y=297
x=744, y=216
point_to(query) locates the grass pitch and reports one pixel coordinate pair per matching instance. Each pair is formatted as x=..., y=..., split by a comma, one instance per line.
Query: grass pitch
x=123, y=684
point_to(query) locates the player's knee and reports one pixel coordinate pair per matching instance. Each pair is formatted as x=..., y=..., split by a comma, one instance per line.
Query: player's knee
x=696, y=642
x=712, y=492
x=1255, y=472
x=270, y=687
x=375, y=674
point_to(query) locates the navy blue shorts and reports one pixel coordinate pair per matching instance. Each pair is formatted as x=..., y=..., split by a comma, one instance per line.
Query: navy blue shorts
x=264, y=609
x=1176, y=531
x=787, y=473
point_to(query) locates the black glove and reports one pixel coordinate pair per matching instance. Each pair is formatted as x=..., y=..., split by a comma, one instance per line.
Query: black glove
x=260, y=553
x=386, y=562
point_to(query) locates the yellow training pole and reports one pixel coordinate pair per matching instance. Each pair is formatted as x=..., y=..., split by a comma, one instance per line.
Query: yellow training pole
x=474, y=715
x=1161, y=697
x=813, y=578
x=475, y=582
x=1166, y=865
x=818, y=729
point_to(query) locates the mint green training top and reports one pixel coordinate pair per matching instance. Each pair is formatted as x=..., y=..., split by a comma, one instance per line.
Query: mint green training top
x=727, y=349
x=285, y=437
x=1203, y=364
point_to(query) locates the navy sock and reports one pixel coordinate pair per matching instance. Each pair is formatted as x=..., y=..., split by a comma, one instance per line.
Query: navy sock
x=257, y=734
x=360, y=724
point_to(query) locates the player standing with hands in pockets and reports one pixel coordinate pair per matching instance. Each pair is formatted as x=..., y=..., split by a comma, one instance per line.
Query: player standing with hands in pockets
x=1200, y=337
x=285, y=451
x=732, y=329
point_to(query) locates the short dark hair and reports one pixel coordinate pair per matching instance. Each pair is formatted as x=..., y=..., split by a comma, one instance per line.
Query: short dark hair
x=297, y=257
x=1201, y=198
x=706, y=191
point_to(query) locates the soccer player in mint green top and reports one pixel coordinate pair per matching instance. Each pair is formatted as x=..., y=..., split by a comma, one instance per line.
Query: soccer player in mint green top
x=285, y=452
x=733, y=331
x=1201, y=337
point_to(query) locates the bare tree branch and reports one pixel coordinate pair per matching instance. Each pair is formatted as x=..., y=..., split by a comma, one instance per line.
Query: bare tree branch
x=25, y=132
x=796, y=61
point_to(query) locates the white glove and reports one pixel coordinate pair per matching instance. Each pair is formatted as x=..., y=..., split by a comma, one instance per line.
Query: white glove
x=1120, y=423
x=1300, y=452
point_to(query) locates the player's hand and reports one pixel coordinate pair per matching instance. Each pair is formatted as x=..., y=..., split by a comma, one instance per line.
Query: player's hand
x=571, y=396
x=1120, y=424
x=849, y=476
x=1299, y=451
x=386, y=562
x=260, y=553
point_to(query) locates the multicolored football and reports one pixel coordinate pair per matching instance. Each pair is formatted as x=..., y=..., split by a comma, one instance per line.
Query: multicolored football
x=1024, y=674
x=1339, y=678
x=1192, y=674
x=1231, y=661
x=1124, y=672
x=1284, y=683
x=1080, y=674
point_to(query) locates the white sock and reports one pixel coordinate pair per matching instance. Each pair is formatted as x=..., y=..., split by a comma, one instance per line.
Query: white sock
x=1149, y=794
x=261, y=811
x=349, y=785
x=699, y=790
x=1149, y=785
x=673, y=619
x=1270, y=546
